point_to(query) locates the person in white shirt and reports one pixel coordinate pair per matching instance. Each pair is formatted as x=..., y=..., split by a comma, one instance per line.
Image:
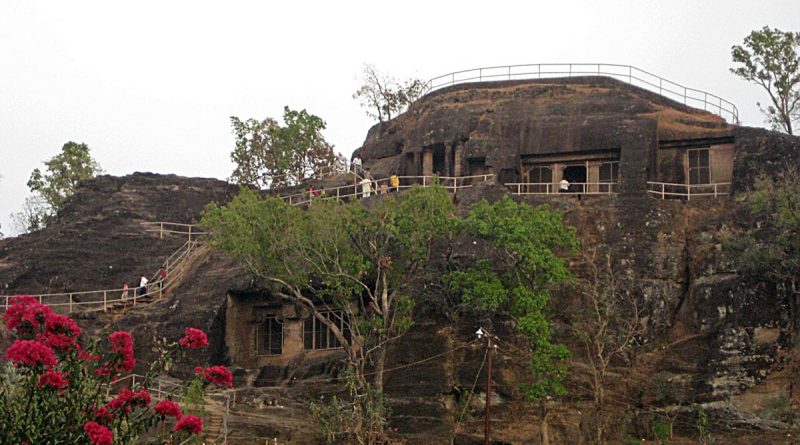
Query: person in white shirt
x=366, y=187
x=563, y=186
x=142, y=285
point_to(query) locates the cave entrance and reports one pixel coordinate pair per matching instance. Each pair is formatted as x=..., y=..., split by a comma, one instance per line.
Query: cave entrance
x=438, y=160
x=576, y=176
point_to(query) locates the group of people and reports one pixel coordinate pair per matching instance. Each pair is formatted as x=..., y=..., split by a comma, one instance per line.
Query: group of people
x=143, y=282
x=368, y=185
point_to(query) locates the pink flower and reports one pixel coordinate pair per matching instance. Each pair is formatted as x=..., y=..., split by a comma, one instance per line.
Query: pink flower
x=98, y=434
x=122, y=402
x=87, y=357
x=60, y=332
x=31, y=353
x=217, y=375
x=193, y=339
x=53, y=379
x=191, y=424
x=127, y=400
x=25, y=315
x=168, y=408
x=101, y=414
x=141, y=398
x=122, y=346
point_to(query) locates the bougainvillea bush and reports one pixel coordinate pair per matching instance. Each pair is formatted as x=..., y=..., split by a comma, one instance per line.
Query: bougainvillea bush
x=57, y=387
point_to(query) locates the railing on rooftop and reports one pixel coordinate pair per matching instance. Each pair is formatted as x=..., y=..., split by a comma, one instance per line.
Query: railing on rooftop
x=667, y=190
x=549, y=188
x=627, y=73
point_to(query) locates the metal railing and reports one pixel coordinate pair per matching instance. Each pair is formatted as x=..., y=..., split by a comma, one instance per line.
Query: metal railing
x=384, y=186
x=171, y=228
x=104, y=299
x=549, y=188
x=627, y=73
x=160, y=388
x=667, y=190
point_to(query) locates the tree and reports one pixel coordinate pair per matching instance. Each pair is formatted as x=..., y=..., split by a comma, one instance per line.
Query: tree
x=34, y=215
x=270, y=155
x=382, y=96
x=55, y=185
x=770, y=58
x=516, y=277
x=64, y=171
x=336, y=256
x=609, y=326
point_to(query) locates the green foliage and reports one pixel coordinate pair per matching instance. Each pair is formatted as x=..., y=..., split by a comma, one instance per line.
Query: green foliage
x=770, y=250
x=269, y=154
x=701, y=425
x=339, y=256
x=355, y=420
x=55, y=185
x=770, y=58
x=517, y=278
x=662, y=432
x=382, y=96
x=48, y=395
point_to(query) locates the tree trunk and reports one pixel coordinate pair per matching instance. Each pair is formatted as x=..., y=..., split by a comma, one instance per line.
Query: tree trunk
x=545, y=427
x=380, y=363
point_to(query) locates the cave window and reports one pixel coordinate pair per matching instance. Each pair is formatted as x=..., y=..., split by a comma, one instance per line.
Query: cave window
x=608, y=176
x=539, y=177
x=269, y=337
x=317, y=335
x=699, y=166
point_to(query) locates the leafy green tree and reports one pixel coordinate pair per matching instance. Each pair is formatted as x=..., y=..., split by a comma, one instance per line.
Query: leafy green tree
x=516, y=277
x=268, y=154
x=770, y=250
x=336, y=256
x=383, y=96
x=770, y=58
x=63, y=173
x=55, y=185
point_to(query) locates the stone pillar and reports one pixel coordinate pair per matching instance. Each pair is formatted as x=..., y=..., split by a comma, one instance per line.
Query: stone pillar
x=448, y=160
x=427, y=162
x=415, y=170
x=458, y=159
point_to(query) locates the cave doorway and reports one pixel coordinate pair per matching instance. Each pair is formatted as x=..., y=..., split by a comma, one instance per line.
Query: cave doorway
x=438, y=160
x=576, y=176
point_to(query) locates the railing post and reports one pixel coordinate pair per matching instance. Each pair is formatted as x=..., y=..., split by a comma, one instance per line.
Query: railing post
x=190, y=234
x=663, y=189
x=70, y=303
x=715, y=191
x=161, y=230
x=659, y=86
x=105, y=299
x=630, y=74
x=6, y=306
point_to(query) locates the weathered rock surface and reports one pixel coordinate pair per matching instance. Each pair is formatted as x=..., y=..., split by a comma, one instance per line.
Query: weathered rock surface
x=710, y=332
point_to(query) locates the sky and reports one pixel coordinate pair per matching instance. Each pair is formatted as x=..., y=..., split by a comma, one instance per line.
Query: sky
x=150, y=85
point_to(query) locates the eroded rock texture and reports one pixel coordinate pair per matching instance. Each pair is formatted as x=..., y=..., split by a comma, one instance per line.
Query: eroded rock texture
x=711, y=333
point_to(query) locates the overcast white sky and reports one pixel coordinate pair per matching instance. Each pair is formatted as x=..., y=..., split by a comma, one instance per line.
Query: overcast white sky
x=149, y=85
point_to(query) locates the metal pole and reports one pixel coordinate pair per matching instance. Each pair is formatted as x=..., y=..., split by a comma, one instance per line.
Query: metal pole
x=70, y=303
x=486, y=427
x=105, y=299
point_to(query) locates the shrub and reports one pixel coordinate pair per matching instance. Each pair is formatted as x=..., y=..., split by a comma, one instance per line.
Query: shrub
x=54, y=388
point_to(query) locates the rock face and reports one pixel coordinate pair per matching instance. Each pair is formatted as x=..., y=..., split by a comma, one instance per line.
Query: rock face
x=711, y=334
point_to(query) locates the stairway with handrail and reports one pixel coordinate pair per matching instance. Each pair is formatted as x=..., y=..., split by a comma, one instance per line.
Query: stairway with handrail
x=177, y=263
